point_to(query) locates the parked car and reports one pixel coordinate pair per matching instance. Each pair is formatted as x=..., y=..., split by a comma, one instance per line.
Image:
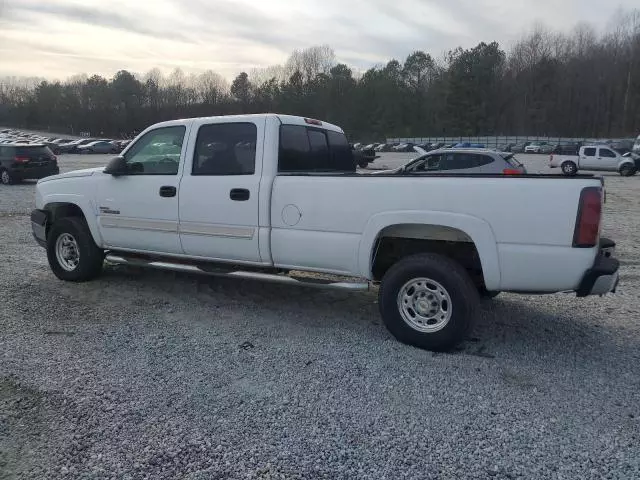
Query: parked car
x=595, y=157
x=434, y=243
x=362, y=158
x=404, y=147
x=519, y=147
x=534, y=147
x=370, y=146
x=25, y=162
x=98, y=147
x=462, y=161
x=122, y=144
x=386, y=147
x=505, y=147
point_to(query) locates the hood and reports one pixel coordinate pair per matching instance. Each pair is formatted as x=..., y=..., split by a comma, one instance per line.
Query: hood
x=86, y=172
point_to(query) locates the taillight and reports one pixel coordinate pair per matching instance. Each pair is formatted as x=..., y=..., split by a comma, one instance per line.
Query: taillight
x=511, y=171
x=20, y=159
x=588, y=219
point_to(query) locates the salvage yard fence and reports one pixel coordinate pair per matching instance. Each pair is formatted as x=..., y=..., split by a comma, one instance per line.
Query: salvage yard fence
x=495, y=141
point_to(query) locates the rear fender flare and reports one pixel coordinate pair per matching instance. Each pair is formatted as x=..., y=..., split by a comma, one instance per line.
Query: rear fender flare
x=475, y=228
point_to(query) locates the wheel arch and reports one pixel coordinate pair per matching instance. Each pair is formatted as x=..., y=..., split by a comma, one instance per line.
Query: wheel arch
x=438, y=226
x=72, y=206
x=626, y=162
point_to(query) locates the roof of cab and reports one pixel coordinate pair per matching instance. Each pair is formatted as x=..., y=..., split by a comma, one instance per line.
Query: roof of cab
x=285, y=119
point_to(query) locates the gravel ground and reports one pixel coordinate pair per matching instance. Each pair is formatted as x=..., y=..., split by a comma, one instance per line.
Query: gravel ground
x=146, y=374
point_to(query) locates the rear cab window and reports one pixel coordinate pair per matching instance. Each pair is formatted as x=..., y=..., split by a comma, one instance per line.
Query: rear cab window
x=590, y=152
x=308, y=149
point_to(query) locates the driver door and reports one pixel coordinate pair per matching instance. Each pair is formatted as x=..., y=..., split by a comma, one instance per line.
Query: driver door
x=139, y=210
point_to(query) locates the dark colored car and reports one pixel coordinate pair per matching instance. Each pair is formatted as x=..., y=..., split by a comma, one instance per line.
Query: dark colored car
x=519, y=147
x=26, y=162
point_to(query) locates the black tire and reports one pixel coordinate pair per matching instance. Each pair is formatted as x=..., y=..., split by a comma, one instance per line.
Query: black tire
x=91, y=258
x=627, y=170
x=452, y=278
x=363, y=164
x=6, y=177
x=569, y=169
x=488, y=294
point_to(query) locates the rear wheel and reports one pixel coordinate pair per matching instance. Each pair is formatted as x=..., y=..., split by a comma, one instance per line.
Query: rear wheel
x=6, y=178
x=569, y=168
x=73, y=255
x=428, y=300
x=627, y=170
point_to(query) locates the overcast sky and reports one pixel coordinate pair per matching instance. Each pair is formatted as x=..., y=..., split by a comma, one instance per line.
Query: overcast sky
x=58, y=38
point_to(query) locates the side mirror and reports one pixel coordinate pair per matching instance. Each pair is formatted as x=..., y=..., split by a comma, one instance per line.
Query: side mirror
x=116, y=167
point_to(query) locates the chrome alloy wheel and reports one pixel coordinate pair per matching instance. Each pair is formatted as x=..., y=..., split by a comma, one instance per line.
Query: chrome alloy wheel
x=425, y=305
x=67, y=252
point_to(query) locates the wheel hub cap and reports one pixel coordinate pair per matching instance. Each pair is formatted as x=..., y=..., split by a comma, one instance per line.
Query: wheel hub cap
x=425, y=305
x=67, y=252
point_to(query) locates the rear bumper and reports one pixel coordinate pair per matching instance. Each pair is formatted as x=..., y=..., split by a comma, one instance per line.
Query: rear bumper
x=39, y=220
x=603, y=276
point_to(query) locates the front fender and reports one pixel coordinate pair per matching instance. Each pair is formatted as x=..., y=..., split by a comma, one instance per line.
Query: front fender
x=85, y=204
x=475, y=228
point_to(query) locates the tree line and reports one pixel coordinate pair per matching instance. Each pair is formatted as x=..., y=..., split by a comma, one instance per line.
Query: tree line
x=576, y=84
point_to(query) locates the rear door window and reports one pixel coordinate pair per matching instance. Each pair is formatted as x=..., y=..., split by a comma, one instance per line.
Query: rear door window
x=225, y=149
x=590, y=152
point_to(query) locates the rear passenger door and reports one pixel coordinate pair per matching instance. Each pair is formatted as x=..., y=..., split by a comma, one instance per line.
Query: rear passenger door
x=588, y=160
x=219, y=191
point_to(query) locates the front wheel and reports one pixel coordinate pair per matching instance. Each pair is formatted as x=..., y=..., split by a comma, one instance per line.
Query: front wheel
x=627, y=170
x=428, y=301
x=569, y=168
x=73, y=255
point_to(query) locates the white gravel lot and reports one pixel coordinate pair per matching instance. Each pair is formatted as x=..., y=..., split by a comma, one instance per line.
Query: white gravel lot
x=146, y=374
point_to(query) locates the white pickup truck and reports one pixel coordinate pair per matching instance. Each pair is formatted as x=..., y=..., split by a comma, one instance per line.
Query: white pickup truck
x=274, y=197
x=594, y=157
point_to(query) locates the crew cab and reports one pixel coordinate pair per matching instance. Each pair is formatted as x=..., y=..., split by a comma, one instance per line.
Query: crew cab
x=594, y=157
x=277, y=198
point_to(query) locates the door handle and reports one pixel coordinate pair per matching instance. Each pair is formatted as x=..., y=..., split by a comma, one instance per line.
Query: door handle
x=239, y=194
x=167, y=191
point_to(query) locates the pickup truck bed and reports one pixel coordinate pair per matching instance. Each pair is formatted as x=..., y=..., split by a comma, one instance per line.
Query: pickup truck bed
x=259, y=196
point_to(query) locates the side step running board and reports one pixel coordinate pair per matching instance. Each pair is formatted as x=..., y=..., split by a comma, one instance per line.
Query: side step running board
x=267, y=277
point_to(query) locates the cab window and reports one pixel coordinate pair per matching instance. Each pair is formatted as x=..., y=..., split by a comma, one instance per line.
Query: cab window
x=157, y=152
